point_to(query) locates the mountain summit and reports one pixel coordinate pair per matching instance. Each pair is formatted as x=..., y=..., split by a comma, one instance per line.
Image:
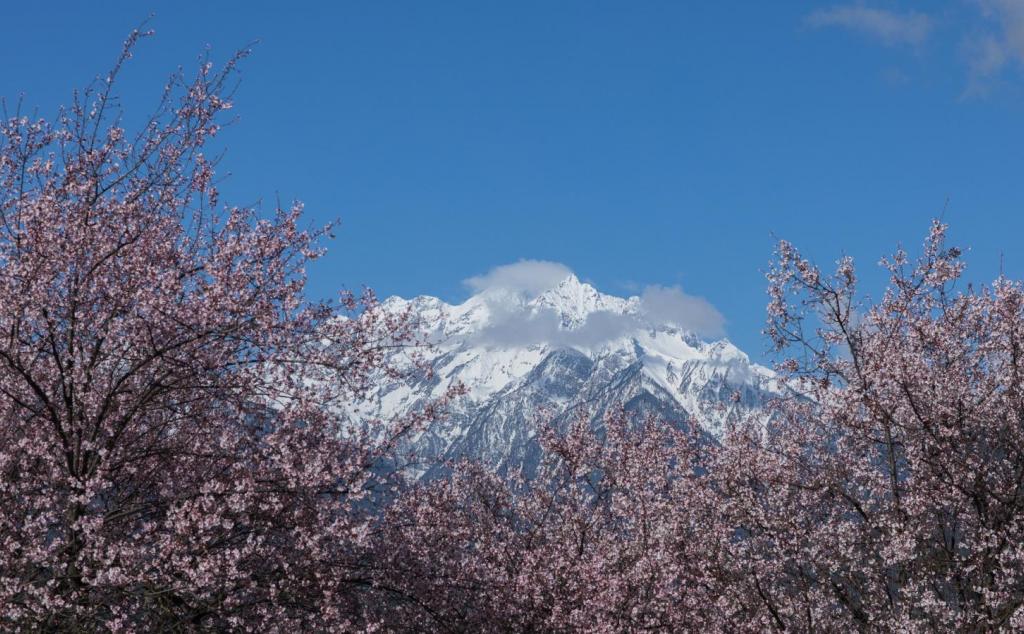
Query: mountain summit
x=566, y=349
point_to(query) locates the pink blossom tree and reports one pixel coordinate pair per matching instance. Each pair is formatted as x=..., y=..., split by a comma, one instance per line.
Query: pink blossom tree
x=609, y=536
x=886, y=493
x=176, y=453
x=173, y=449
x=890, y=498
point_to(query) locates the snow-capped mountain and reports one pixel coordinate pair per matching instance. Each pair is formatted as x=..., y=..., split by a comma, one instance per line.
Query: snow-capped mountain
x=566, y=349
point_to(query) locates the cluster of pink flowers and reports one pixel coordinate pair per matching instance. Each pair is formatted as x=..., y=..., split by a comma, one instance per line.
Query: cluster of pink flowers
x=885, y=494
x=171, y=453
x=175, y=454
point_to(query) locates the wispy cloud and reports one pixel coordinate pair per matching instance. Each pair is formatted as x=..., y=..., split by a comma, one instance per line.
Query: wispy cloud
x=1000, y=43
x=990, y=35
x=889, y=27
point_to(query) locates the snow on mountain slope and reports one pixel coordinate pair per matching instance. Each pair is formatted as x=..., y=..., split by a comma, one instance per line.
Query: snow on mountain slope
x=566, y=349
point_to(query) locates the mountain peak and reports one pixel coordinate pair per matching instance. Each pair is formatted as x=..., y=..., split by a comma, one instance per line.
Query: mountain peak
x=566, y=349
x=573, y=301
x=570, y=289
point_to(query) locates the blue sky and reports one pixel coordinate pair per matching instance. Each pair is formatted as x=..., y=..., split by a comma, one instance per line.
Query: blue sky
x=638, y=143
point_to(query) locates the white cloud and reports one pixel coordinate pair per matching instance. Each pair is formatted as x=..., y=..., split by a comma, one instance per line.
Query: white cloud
x=669, y=304
x=531, y=277
x=990, y=50
x=891, y=28
x=511, y=325
x=514, y=328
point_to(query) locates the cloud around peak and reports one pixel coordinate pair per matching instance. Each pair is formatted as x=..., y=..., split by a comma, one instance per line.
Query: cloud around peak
x=531, y=277
x=669, y=304
x=655, y=305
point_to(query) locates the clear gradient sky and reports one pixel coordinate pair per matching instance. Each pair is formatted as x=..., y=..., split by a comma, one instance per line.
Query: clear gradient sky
x=638, y=143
